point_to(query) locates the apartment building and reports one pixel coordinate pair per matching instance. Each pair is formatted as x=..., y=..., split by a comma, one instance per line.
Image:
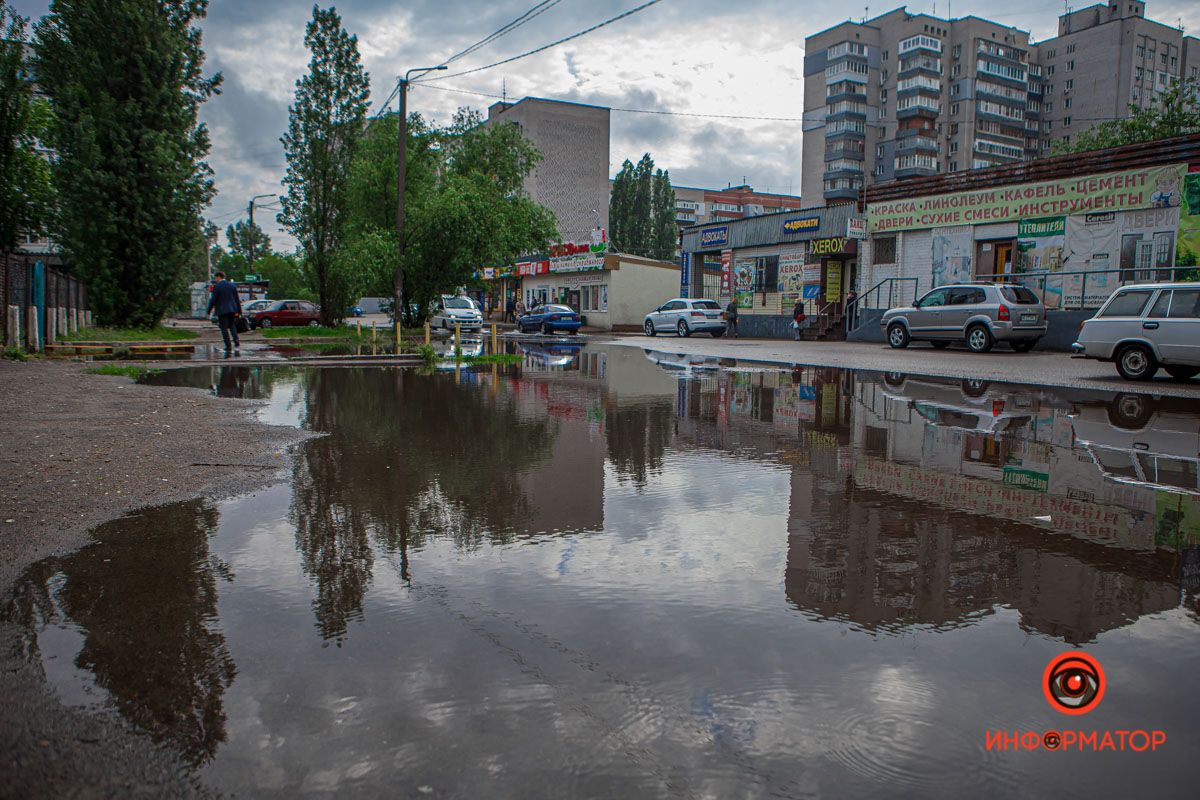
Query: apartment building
x=572, y=178
x=700, y=206
x=903, y=94
x=1105, y=59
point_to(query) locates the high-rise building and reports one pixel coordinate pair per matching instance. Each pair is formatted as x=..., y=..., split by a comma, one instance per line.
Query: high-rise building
x=903, y=94
x=572, y=178
x=1105, y=59
x=906, y=94
x=700, y=206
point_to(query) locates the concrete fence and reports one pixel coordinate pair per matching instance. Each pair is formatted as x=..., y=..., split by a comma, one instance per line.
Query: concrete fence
x=41, y=303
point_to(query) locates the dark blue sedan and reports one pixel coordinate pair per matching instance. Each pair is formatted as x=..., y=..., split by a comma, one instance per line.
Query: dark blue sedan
x=548, y=319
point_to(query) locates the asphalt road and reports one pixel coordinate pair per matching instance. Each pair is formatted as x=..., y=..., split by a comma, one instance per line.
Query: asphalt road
x=1038, y=368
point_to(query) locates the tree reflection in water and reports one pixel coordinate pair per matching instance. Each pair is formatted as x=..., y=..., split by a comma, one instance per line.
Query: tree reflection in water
x=144, y=597
x=638, y=435
x=406, y=457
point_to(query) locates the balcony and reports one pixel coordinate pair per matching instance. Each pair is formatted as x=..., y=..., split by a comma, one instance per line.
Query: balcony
x=842, y=172
x=919, y=83
x=917, y=144
x=844, y=148
x=846, y=49
x=842, y=193
x=927, y=43
x=918, y=106
x=915, y=171
x=1004, y=72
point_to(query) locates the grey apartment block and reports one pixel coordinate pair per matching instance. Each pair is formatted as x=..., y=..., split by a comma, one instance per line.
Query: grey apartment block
x=572, y=179
x=903, y=95
x=1106, y=58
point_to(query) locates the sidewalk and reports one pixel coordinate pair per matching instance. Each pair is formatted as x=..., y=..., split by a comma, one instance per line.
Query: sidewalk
x=1041, y=368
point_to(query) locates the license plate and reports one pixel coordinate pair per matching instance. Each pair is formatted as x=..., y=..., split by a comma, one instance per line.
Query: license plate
x=1029, y=318
x=714, y=315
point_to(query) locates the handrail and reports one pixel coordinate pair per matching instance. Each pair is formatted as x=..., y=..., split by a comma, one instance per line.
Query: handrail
x=857, y=304
x=1042, y=280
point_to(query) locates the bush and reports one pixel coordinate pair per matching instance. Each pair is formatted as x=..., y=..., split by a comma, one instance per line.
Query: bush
x=427, y=354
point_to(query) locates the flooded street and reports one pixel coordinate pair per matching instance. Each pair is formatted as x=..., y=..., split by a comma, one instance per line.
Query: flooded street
x=617, y=573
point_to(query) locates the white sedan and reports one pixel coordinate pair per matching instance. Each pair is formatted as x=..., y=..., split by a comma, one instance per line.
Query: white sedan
x=460, y=311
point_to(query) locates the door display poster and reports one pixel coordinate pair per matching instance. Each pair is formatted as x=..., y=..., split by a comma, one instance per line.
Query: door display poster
x=833, y=282
x=726, y=270
x=743, y=283
x=791, y=276
x=1040, y=244
x=1187, y=250
x=1093, y=245
x=952, y=255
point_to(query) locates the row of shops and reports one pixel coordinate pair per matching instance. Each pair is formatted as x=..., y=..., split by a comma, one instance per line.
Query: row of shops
x=1072, y=229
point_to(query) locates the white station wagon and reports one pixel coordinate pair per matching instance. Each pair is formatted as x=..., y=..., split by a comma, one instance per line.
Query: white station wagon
x=1144, y=327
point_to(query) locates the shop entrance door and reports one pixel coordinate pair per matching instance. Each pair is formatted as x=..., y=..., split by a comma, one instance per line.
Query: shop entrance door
x=573, y=300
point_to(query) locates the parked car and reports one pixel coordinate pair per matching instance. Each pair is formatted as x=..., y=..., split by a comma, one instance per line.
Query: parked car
x=686, y=316
x=1144, y=327
x=1145, y=440
x=979, y=314
x=287, y=312
x=255, y=305
x=549, y=318
x=354, y=311
x=460, y=311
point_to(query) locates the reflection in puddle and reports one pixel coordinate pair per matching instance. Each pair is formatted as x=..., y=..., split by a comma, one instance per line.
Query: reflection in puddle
x=612, y=573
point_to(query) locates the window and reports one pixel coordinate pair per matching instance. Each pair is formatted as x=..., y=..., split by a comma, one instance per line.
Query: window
x=1139, y=73
x=1070, y=85
x=934, y=299
x=1049, y=70
x=594, y=298
x=954, y=147
x=883, y=95
x=1126, y=304
x=1141, y=51
x=1161, y=305
x=954, y=110
x=885, y=55
x=1019, y=295
x=1051, y=53
x=964, y=297
x=883, y=250
x=1070, y=65
x=956, y=51
x=1067, y=103
x=956, y=71
x=1185, y=304
x=1070, y=48
x=1066, y=122
x=954, y=166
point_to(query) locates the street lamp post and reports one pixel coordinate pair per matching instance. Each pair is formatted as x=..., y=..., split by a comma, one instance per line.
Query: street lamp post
x=401, y=177
x=250, y=231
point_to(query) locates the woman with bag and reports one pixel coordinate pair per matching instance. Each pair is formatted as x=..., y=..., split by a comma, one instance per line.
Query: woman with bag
x=798, y=317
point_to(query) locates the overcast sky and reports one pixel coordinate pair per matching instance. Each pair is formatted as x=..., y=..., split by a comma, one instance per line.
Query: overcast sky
x=693, y=56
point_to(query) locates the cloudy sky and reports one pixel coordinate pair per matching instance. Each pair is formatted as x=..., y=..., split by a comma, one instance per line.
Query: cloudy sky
x=684, y=56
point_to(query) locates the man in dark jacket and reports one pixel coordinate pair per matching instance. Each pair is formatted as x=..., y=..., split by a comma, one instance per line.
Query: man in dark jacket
x=731, y=315
x=228, y=307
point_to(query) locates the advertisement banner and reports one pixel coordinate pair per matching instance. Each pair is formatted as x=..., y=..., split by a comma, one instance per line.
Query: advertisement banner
x=833, y=282
x=794, y=225
x=856, y=228
x=581, y=263
x=1187, y=251
x=1150, y=187
x=685, y=274
x=1040, y=244
x=791, y=276
x=743, y=283
x=952, y=255
x=726, y=273
x=714, y=237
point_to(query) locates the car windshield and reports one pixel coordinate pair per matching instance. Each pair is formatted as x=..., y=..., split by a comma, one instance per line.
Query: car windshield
x=557, y=309
x=709, y=304
x=1019, y=295
x=457, y=302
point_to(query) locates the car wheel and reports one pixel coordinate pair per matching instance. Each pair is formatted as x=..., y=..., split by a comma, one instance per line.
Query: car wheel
x=648, y=327
x=979, y=339
x=1135, y=362
x=1130, y=412
x=940, y=345
x=1183, y=373
x=717, y=334
x=683, y=330
x=266, y=322
x=1022, y=345
x=312, y=323
x=973, y=387
x=898, y=336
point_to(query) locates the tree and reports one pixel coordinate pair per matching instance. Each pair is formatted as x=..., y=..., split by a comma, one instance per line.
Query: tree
x=324, y=126
x=125, y=79
x=641, y=213
x=1176, y=112
x=286, y=275
x=241, y=235
x=26, y=194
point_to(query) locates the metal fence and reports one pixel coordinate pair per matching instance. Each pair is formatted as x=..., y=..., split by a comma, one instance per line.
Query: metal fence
x=41, y=303
x=1088, y=289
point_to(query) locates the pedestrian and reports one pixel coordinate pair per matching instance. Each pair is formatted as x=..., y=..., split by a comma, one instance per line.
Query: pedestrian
x=224, y=301
x=509, y=309
x=519, y=308
x=851, y=310
x=731, y=315
x=798, y=316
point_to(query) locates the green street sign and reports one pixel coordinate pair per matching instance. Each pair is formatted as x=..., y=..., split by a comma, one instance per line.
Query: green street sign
x=251, y=278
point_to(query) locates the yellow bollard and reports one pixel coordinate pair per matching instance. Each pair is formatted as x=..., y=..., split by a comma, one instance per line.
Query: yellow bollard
x=372, y=334
x=397, y=329
x=426, y=332
x=494, y=343
x=457, y=340
x=359, y=324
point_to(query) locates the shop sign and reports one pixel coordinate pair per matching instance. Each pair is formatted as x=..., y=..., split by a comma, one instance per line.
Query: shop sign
x=856, y=228
x=685, y=274
x=1151, y=187
x=533, y=268
x=828, y=247
x=580, y=263
x=791, y=275
x=811, y=291
x=711, y=237
x=489, y=273
x=801, y=224
x=583, y=280
x=726, y=273
x=564, y=249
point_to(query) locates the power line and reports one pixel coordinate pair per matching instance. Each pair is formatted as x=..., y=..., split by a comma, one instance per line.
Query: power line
x=543, y=48
x=528, y=16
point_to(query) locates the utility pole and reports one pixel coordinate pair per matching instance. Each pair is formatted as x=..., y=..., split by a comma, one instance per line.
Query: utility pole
x=250, y=231
x=401, y=180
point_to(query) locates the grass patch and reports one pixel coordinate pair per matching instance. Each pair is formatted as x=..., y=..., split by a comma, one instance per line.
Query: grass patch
x=427, y=354
x=494, y=358
x=306, y=332
x=124, y=370
x=15, y=354
x=159, y=334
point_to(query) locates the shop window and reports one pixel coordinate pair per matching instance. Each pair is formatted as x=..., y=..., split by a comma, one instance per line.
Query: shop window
x=883, y=249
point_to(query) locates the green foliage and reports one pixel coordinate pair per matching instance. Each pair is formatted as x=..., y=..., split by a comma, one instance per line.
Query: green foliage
x=641, y=213
x=159, y=334
x=15, y=354
x=305, y=332
x=494, y=358
x=124, y=370
x=465, y=205
x=126, y=85
x=1176, y=112
x=325, y=124
x=286, y=274
x=26, y=190
x=242, y=235
x=427, y=354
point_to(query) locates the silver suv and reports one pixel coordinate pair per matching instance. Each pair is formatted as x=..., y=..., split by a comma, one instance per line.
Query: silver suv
x=1143, y=327
x=979, y=314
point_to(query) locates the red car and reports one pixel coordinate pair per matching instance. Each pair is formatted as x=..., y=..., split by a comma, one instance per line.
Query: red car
x=287, y=312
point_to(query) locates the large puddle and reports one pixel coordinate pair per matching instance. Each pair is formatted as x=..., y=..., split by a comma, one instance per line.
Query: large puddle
x=609, y=573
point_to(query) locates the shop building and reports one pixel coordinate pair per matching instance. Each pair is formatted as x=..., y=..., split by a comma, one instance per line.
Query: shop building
x=610, y=290
x=1071, y=228
x=767, y=263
